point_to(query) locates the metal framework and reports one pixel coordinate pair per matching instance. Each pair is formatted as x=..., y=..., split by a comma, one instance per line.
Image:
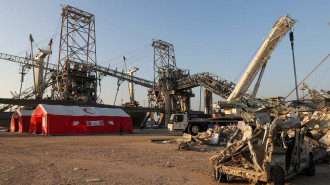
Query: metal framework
x=311, y=100
x=166, y=74
x=215, y=84
x=34, y=103
x=164, y=59
x=25, y=61
x=76, y=77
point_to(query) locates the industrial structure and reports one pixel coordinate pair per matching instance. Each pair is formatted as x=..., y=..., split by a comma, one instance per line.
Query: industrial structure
x=76, y=76
x=173, y=91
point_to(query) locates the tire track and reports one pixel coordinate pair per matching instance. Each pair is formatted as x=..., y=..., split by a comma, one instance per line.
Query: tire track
x=55, y=173
x=22, y=173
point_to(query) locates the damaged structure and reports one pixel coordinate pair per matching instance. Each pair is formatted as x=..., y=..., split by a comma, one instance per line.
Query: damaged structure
x=275, y=151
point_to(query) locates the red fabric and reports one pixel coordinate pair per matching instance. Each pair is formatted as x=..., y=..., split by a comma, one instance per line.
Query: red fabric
x=13, y=124
x=19, y=123
x=42, y=123
x=36, y=121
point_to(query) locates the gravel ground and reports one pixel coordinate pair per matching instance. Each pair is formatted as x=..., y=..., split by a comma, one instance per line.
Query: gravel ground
x=110, y=159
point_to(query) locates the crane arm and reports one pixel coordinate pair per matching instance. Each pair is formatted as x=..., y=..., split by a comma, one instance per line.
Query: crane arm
x=278, y=31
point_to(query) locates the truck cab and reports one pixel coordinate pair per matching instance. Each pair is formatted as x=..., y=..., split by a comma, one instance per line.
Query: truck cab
x=179, y=121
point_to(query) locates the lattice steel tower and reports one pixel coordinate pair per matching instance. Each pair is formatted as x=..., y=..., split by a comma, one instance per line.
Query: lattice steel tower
x=166, y=74
x=164, y=59
x=76, y=77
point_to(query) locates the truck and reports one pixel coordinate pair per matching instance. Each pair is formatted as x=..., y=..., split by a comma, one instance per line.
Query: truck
x=194, y=123
x=202, y=125
x=178, y=121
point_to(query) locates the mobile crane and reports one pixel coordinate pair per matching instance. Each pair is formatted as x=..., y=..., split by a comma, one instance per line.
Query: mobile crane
x=235, y=101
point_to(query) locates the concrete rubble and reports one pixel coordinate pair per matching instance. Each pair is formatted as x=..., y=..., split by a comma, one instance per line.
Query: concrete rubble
x=319, y=123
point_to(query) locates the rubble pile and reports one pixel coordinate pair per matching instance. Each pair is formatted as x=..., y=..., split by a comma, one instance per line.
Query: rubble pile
x=272, y=144
x=319, y=124
x=219, y=136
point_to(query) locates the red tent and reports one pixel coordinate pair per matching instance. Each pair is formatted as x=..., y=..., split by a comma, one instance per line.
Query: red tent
x=59, y=119
x=20, y=120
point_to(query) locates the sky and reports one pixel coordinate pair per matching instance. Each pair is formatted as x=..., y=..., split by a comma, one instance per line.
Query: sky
x=220, y=37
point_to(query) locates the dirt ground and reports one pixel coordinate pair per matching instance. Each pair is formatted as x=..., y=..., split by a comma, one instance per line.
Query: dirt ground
x=110, y=159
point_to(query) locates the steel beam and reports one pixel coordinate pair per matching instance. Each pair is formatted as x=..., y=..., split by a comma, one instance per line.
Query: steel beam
x=30, y=102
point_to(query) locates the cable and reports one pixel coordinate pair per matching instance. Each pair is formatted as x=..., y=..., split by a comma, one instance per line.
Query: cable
x=125, y=54
x=130, y=56
x=247, y=63
x=308, y=75
x=136, y=59
x=294, y=69
x=321, y=77
x=57, y=30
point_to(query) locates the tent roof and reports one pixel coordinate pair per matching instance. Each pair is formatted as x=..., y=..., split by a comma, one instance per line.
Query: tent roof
x=24, y=112
x=82, y=111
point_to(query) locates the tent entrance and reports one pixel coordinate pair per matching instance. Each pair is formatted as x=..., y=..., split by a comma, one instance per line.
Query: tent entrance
x=38, y=124
x=16, y=124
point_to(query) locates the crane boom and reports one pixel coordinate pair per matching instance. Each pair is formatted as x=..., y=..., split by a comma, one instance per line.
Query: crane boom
x=278, y=31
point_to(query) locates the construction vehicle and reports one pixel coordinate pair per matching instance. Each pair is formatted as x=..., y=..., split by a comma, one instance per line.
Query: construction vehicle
x=276, y=34
x=237, y=98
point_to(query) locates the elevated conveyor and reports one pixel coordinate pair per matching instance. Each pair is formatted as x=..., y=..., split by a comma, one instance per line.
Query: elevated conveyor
x=216, y=84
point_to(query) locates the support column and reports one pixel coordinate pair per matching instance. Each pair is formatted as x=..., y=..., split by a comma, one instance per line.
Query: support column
x=207, y=101
x=188, y=103
x=168, y=107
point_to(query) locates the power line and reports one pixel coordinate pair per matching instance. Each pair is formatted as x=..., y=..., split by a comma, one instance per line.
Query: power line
x=308, y=75
x=126, y=54
x=134, y=60
x=322, y=76
x=247, y=63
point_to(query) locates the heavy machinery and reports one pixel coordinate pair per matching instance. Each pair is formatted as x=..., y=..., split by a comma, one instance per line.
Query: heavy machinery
x=276, y=34
x=132, y=102
x=236, y=95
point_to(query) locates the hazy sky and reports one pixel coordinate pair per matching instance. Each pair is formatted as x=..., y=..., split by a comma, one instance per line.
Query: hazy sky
x=208, y=36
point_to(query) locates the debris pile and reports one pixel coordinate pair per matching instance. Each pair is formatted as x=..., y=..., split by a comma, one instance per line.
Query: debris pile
x=319, y=124
x=274, y=150
x=219, y=136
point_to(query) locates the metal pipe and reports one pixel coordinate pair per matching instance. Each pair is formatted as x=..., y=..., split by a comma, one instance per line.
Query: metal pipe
x=294, y=68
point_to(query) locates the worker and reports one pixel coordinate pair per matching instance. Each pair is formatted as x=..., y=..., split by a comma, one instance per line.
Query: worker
x=121, y=127
x=141, y=125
